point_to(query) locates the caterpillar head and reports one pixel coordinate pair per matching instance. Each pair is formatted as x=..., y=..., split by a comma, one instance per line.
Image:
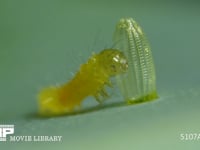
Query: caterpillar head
x=113, y=61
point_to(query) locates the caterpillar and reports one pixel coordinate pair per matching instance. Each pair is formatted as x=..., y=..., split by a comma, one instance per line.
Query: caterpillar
x=90, y=80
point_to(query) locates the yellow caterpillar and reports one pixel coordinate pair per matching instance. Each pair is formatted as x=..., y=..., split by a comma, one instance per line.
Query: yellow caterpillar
x=90, y=80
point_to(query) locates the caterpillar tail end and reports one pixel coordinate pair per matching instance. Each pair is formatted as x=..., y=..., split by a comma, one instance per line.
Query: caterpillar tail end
x=49, y=102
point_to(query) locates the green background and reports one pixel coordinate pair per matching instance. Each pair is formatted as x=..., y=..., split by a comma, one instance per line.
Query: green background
x=43, y=41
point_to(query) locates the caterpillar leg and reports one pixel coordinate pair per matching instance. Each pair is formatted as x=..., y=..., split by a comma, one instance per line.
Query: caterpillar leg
x=101, y=96
x=103, y=93
x=109, y=83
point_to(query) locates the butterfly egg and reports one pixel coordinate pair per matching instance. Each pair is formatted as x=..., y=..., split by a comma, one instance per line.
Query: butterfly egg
x=139, y=83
